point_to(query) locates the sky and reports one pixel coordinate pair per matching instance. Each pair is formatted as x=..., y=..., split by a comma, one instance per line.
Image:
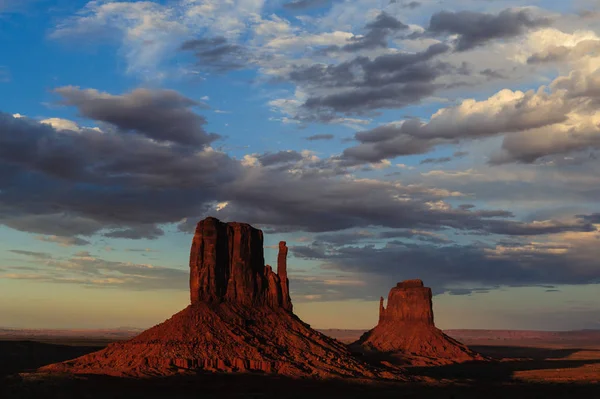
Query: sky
x=456, y=142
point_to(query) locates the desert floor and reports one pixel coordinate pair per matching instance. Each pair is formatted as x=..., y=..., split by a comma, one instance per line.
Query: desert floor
x=529, y=366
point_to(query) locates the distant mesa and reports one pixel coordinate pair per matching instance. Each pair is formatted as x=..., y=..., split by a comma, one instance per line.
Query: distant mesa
x=240, y=320
x=406, y=330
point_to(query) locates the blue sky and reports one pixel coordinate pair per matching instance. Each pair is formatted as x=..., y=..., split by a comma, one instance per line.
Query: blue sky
x=454, y=142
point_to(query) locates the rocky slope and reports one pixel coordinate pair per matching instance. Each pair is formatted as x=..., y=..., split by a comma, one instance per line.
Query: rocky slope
x=240, y=319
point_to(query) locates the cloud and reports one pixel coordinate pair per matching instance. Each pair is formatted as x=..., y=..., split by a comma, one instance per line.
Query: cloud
x=412, y=4
x=387, y=81
x=551, y=120
x=162, y=115
x=593, y=218
x=141, y=250
x=305, y=4
x=569, y=259
x=475, y=28
x=436, y=160
x=492, y=74
x=82, y=182
x=316, y=137
x=149, y=33
x=217, y=53
x=84, y=269
x=560, y=53
x=269, y=159
x=64, y=241
x=149, y=232
x=376, y=36
x=37, y=255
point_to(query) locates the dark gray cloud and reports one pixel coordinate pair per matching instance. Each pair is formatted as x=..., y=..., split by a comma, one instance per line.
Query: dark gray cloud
x=79, y=183
x=71, y=183
x=376, y=36
x=149, y=232
x=455, y=268
x=475, y=28
x=493, y=74
x=593, y=218
x=424, y=236
x=217, y=53
x=550, y=146
x=320, y=137
x=387, y=81
x=305, y=4
x=436, y=160
x=344, y=238
x=37, y=255
x=162, y=115
x=269, y=159
x=386, y=21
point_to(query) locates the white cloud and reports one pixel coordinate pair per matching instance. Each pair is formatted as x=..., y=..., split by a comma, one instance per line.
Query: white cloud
x=61, y=124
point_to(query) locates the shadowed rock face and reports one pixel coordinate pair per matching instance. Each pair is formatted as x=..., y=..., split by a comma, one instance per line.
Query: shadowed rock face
x=240, y=320
x=406, y=330
x=227, y=265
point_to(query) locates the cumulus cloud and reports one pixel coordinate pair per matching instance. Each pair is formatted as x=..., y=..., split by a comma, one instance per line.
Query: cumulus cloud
x=551, y=120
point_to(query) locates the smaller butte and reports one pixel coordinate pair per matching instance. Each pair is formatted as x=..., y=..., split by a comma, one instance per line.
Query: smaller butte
x=406, y=330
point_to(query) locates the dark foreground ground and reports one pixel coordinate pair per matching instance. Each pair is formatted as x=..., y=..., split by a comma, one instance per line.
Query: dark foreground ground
x=545, y=370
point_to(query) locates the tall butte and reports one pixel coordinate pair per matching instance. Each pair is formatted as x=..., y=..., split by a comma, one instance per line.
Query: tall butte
x=240, y=319
x=406, y=330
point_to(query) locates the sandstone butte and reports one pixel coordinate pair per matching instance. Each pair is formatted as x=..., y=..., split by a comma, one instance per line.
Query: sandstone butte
x=407, y=332
x=240, y=320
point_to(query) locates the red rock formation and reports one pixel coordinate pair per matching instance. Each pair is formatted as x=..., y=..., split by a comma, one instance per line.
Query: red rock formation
x=227, y=265
x=407, y=331
x=408, y=301
x=240, y=319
